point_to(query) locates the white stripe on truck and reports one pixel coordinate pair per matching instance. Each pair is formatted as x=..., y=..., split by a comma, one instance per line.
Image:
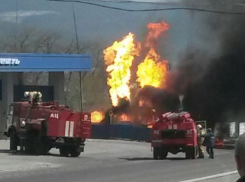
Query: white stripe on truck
x=71, y=128
x=67, y=129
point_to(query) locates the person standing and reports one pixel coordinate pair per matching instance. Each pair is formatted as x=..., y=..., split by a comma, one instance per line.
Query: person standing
x=200, y=141
x=209, y=142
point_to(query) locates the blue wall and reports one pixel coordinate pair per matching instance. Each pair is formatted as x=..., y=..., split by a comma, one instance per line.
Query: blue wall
x=24, y=62
x=116, y=131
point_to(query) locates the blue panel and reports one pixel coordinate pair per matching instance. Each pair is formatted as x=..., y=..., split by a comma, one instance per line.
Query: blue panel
x=22, y=62
x=100, y=131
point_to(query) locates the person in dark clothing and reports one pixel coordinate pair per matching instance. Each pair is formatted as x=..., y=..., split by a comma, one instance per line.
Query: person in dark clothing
x=209, y=142
x=240, y=157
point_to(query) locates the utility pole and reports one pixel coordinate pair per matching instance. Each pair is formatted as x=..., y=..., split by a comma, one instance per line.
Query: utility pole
x=78, y=52
x=16, y=23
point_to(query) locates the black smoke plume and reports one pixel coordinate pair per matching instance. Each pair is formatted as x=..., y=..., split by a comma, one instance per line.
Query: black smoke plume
x=158, y=99
x=154, y=101
x=214, y=83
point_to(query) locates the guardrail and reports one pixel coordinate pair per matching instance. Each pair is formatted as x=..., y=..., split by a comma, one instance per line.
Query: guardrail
x=117, y=131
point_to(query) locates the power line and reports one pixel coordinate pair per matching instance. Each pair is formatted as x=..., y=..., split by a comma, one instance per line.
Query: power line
x=161, y=2
x=148, y=10
x=145, y=2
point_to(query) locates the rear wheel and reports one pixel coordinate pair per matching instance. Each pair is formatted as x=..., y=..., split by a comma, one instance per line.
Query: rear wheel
x=74, y=151
x=64, y=151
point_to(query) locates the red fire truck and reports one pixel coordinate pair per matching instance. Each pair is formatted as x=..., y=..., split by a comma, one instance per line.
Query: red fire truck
x=38, y=126
x=174, y=133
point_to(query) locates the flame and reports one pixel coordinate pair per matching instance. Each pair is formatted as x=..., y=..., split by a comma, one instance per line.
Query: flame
x=125, y=117
x=97, y=116
x=149, y=126
x=119, y=58
x=152, y=71
x=155, y=30
x=141, y=103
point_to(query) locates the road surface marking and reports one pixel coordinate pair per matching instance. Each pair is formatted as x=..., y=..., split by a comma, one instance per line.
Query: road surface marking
x=211, y=177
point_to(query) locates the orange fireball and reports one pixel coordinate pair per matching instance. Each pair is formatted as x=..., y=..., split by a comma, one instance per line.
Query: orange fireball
x=125, y=117
x=97, y=116
x=149, y=126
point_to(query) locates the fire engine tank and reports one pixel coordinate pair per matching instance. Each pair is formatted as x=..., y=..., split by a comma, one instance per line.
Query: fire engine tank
x=38, y=126
x=174, y=133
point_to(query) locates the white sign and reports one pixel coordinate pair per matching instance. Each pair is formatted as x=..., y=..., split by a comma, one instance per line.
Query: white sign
x=9, y=62
x=54, y=115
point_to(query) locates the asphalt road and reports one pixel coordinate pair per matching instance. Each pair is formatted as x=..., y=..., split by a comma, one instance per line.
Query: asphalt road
x=114, y=161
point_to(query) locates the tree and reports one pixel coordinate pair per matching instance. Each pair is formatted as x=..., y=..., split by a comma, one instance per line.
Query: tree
x=94, y=87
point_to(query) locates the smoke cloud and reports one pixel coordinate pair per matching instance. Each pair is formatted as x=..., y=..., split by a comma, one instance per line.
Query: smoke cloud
x=214, y=83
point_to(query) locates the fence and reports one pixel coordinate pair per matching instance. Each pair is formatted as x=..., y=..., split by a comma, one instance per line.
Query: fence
x=116, y=131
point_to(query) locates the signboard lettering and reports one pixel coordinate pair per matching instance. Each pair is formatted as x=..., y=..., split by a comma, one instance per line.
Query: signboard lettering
x=9, y=62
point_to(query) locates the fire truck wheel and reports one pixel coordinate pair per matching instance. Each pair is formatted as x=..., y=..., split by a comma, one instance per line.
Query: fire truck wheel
x=74, y=151
x=163, y=154
x=156, y=152
x=13, y=142
x=41, y=147
x=191, y=153
x=29, y=146
x=64, y=151
x=194, y=152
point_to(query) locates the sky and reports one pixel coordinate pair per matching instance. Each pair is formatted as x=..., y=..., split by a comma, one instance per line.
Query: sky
x=101, y=24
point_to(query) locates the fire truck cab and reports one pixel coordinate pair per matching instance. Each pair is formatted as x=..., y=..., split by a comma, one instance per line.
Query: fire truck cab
x=174, y=133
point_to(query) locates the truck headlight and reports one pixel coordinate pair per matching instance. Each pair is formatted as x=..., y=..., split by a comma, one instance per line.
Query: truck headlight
x=23, y=123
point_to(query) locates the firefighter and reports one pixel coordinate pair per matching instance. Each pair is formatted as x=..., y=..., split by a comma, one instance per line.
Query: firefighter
x=200, y=141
